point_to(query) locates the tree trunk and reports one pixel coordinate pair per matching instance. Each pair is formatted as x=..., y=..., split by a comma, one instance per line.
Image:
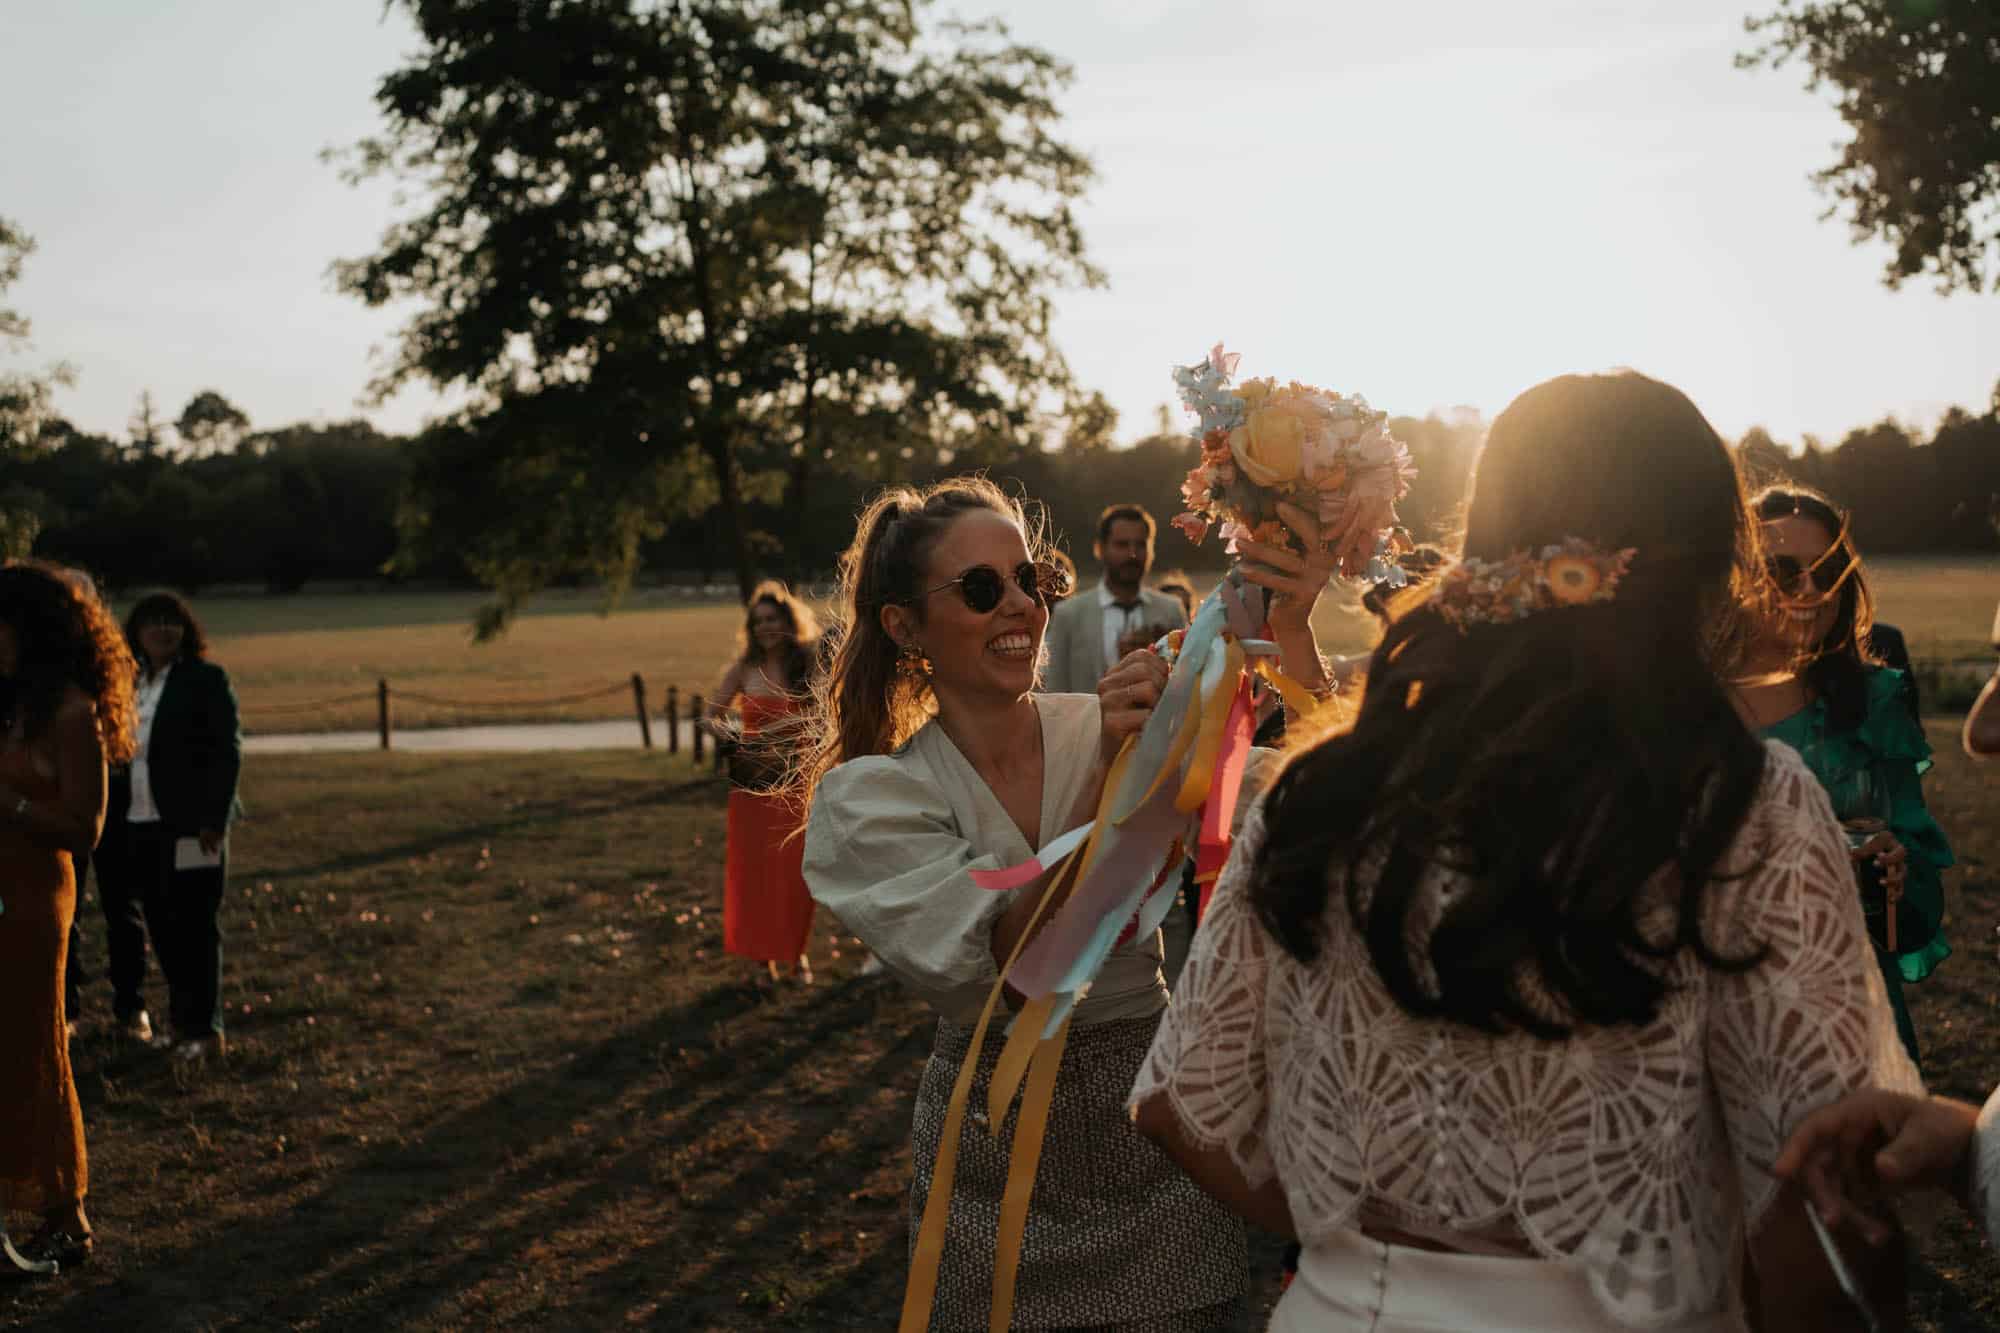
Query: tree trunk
x=796, y=480
x=732, y=516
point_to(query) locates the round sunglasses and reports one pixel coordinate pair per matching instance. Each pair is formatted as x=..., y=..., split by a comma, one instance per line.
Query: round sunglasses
x=1827, y=572
x=983, y=586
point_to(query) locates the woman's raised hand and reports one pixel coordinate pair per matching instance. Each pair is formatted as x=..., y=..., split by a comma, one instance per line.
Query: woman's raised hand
x=1294, y=581
x=1126, y=697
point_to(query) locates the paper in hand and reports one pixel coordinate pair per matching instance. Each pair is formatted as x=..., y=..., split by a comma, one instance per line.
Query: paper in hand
x=188, y=855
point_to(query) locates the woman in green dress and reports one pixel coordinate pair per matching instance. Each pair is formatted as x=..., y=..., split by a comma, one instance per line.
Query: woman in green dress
x=1817, y=687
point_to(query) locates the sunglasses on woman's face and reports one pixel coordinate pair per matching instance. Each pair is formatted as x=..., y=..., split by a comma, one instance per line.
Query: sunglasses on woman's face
x=1784, y=570
x=983, y=586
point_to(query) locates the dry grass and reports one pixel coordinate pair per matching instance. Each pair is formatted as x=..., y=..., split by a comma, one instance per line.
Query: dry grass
x=489, y=1068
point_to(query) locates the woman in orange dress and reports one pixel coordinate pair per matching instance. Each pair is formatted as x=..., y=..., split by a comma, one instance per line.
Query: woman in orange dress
x=766, y=912
x=65, y=710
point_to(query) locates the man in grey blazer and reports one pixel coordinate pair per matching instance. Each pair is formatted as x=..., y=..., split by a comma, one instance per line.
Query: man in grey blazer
x=1092, y=630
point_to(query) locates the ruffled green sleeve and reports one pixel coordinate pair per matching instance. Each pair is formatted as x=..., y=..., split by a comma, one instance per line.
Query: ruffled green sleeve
x=1901, y=756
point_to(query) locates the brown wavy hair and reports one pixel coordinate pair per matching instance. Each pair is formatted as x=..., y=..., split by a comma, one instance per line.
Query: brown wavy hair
x=865, y=703
x=66, y=638
x=803, y=655
x=1836, y=668
x=1555, y=765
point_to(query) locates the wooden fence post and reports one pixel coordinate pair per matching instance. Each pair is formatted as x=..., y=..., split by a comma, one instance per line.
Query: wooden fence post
x=673, y=719
x=639, y=702
x=382, y=711
x=694, y=712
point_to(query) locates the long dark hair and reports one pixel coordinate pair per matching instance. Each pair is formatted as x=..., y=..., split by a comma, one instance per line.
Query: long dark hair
x=1836, y=668
x=66, y=638
x=1552, y=766
x=869, y=701
x=802, y=657
x=171, y=607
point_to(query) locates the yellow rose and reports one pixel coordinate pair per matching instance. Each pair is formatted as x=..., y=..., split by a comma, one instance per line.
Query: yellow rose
x=1270, y=444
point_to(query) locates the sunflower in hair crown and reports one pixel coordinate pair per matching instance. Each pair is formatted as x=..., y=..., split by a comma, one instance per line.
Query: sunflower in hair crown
x=1572, y=572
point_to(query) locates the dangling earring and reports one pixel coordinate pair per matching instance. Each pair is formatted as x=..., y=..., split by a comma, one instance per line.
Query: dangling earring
x=911, y=662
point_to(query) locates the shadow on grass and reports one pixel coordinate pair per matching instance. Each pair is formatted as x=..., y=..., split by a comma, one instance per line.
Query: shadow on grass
x=555, y=1200
x=552, y=811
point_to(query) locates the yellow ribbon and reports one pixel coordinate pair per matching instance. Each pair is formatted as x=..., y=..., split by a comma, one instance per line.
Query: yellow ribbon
x=1022, y=1164
x=1214, y=715
x=920, y=1291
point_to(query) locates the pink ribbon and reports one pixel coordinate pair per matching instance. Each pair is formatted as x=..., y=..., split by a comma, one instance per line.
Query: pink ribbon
x=1219, y=813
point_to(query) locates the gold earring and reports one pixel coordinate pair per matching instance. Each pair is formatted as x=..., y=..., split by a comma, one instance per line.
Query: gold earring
x=911, y=662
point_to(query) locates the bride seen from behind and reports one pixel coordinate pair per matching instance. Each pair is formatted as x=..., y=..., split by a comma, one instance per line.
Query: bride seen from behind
x=1511, y=992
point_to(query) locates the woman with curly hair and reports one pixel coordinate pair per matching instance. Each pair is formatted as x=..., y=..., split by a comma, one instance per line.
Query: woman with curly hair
x=165, y=856
x=66, y=710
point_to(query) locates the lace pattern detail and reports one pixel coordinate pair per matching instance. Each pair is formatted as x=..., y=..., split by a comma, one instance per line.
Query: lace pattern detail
x=1639, y=1154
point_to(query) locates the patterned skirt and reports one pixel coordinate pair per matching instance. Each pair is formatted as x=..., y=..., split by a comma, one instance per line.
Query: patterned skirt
x=1117, y=1237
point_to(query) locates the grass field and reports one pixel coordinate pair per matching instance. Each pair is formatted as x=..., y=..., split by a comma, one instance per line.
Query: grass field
x=288, y=654
x=489, y=1068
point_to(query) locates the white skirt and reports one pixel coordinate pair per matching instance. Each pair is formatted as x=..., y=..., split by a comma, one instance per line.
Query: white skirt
x=1352, y=1282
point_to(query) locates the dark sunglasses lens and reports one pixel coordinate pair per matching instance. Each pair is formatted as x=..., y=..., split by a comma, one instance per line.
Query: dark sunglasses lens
x=1783, y=570
x=1828, y=571
x=982, y=588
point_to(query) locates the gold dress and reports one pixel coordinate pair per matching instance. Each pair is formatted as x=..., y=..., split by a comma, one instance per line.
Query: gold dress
x=42, y=1167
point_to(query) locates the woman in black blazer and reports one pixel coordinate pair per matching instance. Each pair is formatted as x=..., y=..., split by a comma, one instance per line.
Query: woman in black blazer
x=164, y=857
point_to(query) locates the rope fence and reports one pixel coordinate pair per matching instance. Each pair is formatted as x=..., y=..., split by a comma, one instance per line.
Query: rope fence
x=386, y=698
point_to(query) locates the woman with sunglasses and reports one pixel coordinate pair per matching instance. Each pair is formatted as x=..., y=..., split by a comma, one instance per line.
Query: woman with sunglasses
x=939, y=758
x=1815, y=684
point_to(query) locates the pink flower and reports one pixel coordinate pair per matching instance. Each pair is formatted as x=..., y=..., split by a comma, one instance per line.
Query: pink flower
x=1193, y=526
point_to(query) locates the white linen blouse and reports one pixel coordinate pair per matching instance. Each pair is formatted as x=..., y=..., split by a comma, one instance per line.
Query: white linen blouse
x=892, y=840
x=1636, y=1154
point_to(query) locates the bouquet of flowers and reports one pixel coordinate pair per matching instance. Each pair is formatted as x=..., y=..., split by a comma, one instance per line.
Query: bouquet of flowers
x=1328, y=453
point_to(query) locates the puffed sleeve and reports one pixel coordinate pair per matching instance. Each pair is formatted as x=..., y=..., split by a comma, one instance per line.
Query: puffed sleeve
x=1208, y=1055
x=883, y=852
x=1811, y=1022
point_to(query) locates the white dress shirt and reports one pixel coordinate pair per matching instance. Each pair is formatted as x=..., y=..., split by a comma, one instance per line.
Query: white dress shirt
x=151, y=685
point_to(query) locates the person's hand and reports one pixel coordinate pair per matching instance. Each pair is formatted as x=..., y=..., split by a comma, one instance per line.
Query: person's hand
x=1891, y=858
x=210, y=839
x=1354, y=544
x=1847, y=1156
x=1294, y=581
x=1125, y=698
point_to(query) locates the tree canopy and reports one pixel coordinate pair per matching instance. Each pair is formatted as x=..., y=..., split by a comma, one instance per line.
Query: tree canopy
x=1918, y=83
x=685, y=253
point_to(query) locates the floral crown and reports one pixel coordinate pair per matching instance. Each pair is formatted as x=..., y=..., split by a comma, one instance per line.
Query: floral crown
x=1496, y=592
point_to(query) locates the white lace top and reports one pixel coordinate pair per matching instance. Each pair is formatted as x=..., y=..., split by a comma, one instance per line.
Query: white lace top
x=1636, y=1153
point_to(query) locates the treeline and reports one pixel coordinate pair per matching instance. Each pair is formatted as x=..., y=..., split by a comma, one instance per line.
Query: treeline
x=276, y=509
x=281, y=508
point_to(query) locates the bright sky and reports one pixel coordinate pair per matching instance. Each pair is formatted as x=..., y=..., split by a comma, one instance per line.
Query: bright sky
x=1432, y=205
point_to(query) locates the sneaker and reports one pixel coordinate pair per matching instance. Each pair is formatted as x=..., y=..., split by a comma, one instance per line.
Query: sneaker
x=199, y=1049
x=139, y=1027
